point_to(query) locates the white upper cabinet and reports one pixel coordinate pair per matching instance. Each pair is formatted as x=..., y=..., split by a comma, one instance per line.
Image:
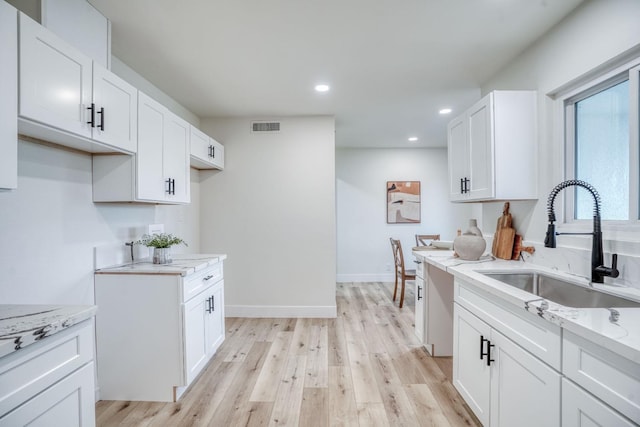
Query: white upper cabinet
x=55, y=80
x=77, y=22
x=150, y=177
x=175, y=162
x=67, y=99
x=206, y=152
x=492, y=149
x=159, y=172
x=81, y=25
x=9, y=97
x=115, y=104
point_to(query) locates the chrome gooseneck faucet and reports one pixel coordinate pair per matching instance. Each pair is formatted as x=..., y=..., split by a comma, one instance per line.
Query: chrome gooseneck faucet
x=598, y=269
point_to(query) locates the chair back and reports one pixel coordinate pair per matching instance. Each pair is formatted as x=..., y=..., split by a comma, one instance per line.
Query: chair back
x=421, y=239
x=398, y=258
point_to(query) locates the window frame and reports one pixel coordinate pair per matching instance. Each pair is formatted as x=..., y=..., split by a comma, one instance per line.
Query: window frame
x=628, y=71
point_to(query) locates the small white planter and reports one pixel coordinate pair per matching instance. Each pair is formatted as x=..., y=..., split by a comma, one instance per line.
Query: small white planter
x=162, y=256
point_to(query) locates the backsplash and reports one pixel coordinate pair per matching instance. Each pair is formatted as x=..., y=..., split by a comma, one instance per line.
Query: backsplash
x=578, y=261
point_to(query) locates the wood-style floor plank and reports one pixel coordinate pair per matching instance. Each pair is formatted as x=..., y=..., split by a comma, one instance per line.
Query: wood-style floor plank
x=364, y=368
x=315, y=409
x=288, y=402
x=271, y=373
x=343, y=411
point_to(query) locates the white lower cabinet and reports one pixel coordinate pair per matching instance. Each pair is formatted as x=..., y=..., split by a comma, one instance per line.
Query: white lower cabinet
x=524, y=390
x=50, y=383
x=203, y=318
x=156, y=332
x=434, y=308
x=438, y=311
x=612, y=380
x=419, y=301
x=471, y=374
x=581, y=409
x=503, y=383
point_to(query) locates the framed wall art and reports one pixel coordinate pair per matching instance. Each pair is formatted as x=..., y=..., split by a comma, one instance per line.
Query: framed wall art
x=403, y=202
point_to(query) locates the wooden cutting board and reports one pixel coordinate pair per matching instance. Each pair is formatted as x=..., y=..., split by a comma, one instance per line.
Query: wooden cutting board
x=505, y=235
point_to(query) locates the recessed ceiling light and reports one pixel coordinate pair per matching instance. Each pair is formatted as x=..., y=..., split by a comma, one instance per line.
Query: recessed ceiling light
x=413, y=139
x=322, y=88
x=445, y=111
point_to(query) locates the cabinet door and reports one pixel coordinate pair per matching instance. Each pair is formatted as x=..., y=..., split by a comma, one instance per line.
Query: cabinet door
x=176, y=158
x=471, y=374
x=200, y=149
x=9, y=97
x=150, y=184
x=458, y=154
x=196, y=317
x=69, y=402
x=419, y=308
x=581, y=409
x=116, y=102
x=217, y=154
x=524, y=390
x=215, y=320
x=481, y=160
x=55, y=80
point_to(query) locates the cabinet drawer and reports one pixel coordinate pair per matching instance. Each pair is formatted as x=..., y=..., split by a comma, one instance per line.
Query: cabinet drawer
x=420, y=267
x=606, y=375
x=66, y=403
x=32, y=369
x=537, y=336
x=196, y=282
x=580, y=408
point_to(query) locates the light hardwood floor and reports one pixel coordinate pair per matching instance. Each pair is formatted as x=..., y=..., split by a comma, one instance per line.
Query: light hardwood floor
x=363, y=368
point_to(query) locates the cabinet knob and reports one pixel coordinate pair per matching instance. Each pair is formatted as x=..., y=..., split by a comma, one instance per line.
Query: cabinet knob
x=208, y=277
x=419, y=296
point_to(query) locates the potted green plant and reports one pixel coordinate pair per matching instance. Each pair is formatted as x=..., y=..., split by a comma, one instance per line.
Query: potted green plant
x=161, y=244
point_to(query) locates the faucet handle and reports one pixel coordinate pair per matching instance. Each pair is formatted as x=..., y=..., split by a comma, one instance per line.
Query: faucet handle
x=614, y=265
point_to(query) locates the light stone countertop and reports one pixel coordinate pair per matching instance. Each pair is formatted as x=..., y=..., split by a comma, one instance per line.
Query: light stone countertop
x=622, y=337
x=24, y=324
x=183, y=265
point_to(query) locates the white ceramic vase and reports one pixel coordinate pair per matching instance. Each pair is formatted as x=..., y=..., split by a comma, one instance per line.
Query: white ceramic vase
x=470, y=245
x=162, y=256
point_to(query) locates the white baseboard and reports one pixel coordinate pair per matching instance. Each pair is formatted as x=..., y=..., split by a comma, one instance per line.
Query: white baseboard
x=344, y=278
x=280, y=311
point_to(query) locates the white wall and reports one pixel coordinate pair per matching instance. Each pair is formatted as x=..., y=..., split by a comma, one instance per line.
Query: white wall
x=364, y=250
x=272, y=211
x=597, y=33
x=49, y=227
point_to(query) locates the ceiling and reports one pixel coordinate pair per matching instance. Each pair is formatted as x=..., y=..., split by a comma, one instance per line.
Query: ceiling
x=392, y=65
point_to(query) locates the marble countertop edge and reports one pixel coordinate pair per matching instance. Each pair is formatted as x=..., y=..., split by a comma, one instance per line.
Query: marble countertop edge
x=183, y=265
x=621, y=337
x=25, y=324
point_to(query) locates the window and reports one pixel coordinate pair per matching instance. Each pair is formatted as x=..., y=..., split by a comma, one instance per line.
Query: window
x=601, y=123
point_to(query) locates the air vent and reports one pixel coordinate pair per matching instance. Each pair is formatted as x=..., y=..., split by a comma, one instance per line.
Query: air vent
x=265, y=126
